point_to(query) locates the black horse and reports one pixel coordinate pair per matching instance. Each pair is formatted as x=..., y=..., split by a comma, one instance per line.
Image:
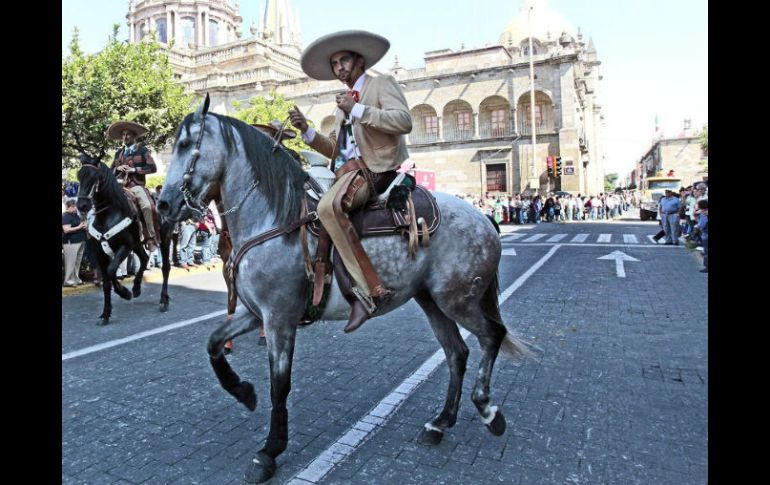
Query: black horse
x=115, y=232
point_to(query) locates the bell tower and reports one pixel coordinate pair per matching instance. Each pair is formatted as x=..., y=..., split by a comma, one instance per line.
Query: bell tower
x=280, y=25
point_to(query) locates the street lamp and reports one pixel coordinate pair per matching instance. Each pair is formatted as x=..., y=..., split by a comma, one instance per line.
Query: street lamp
x=534, y=181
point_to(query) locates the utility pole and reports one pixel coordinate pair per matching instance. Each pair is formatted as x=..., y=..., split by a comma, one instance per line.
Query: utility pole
x=534, y=180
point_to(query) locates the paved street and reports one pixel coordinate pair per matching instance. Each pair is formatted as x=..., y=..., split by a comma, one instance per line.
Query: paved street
x=617, y=395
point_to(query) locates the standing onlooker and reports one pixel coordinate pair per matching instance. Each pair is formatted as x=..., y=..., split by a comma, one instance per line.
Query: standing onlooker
x=73, y=238
x=703, y=231
x=669, y=216
x=187, y=243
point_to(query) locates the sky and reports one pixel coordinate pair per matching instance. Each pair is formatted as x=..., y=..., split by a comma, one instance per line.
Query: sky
x=653, y=53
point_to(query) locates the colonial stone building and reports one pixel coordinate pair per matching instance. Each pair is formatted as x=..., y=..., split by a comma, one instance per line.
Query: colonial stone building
x=471, y=108
x=682, y=154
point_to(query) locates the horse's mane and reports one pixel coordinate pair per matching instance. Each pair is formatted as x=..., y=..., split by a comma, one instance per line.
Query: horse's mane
x=110, y=188
x=280, y=176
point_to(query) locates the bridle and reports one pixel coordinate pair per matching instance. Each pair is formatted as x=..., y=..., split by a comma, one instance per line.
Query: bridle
x=94, y=189
x=187, y=178
x=189, y=200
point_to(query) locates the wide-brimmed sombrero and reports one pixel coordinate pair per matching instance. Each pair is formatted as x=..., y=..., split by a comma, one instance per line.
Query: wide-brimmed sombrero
x=116, y=129
x=273, y=128
x=315, y=58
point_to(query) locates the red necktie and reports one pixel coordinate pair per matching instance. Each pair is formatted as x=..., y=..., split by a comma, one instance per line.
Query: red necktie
x=356, y=95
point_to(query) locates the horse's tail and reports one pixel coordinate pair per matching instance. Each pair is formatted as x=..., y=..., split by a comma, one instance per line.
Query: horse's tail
x=511, y=346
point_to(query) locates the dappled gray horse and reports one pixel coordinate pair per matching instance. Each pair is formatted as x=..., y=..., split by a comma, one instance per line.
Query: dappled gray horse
x=454, y=280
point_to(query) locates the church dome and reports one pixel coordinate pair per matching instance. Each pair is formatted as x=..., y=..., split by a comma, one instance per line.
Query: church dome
x=545, y=22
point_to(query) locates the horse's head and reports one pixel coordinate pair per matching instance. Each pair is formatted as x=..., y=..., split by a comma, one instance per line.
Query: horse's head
x=196, y=166
x=90, y=176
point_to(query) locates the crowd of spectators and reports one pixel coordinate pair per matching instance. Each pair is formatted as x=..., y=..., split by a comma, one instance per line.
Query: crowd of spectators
x=194, y=243
x=555, y=207
x=683, y=217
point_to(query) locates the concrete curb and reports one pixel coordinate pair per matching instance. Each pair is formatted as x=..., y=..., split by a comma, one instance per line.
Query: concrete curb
x=154, y=276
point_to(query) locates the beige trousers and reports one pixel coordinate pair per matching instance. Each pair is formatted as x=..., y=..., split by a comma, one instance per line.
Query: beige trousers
x=146, y=207
x=339, y=236
x=73, y=255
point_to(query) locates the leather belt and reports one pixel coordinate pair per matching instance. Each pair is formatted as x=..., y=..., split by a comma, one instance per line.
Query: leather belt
x=350, y=165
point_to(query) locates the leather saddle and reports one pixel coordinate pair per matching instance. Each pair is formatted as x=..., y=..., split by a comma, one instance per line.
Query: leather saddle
x=375, y=219
x=137, y=211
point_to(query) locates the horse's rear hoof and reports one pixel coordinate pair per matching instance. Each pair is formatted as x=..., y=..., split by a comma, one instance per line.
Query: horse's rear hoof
x=136, y=292
x=164, y=306
x=497, y=426
x=261, y=469
x=103, y=321
x=430, y=437
x=124, y=293
x=244, y=393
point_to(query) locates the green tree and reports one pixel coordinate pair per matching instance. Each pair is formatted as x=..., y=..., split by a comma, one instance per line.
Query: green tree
x=704, y=139
x=132, y=82
x=609, y=181
x=264, y=109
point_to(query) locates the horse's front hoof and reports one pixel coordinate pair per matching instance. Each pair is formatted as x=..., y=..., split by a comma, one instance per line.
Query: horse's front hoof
x=261, y=469
x=244, y=393
x=103, y=321
x=124, y=293
x=497, y=426
x=136, y=292
x=430, y=436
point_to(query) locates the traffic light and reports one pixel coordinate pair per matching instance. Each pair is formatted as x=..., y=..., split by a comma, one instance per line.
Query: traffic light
x=549, y=164
x=558, y=166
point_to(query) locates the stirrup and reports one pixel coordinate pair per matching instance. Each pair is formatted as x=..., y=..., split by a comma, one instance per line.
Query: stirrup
x=367, y=301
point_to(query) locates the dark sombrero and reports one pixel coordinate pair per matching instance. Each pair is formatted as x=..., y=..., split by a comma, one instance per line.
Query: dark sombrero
x=315, y=58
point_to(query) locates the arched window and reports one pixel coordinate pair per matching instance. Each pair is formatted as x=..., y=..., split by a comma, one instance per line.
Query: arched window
x=544, y=119
x=458, y=121
x=188, y=31
x=213, y=32
x=424, y=124
x=160, y=27
x=495, y=117
x=536, y=47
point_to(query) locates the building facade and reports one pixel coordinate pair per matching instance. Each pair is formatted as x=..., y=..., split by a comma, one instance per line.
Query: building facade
x=472, y=108
x=682, y=154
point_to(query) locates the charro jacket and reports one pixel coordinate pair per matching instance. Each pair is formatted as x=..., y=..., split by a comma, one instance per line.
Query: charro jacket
x=380, y=131
x=141, y=161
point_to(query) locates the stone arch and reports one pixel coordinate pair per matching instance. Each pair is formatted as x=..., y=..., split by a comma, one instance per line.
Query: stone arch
x=544, y=117
x=424, y=124
x=458, y=120
x=327, y=125
x=495, y=117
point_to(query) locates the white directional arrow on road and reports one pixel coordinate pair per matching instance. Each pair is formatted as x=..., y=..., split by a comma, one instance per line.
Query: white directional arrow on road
x=509, y=252
x=619, y=257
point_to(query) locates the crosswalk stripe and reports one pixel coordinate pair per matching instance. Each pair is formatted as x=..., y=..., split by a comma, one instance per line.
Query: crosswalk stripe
x=580, y=237
x=653, y=241
x=513, y=237
x=533, y=237
x=604, y=238
x=556, y=237
x=630, y=239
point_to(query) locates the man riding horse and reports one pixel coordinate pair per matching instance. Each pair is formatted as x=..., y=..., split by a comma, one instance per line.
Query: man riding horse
x=132, y=162
x=373, y=117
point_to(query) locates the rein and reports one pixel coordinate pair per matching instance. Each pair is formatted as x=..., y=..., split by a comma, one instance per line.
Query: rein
x=187, y=178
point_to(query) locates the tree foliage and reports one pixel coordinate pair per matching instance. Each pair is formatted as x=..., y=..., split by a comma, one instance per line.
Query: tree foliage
x=704, y=139
x=609, y=181
x=124, y=81
x=264, y=109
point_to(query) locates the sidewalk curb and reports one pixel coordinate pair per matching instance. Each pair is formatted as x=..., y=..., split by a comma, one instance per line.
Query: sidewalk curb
x=154, y=276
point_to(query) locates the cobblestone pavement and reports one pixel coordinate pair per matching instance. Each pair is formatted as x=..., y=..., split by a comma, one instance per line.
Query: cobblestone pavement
x=618, y=394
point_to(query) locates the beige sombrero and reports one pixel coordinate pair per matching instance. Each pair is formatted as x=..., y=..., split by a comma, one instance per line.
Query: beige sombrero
x=116, y=129
x=273, y=128
x=315, y=58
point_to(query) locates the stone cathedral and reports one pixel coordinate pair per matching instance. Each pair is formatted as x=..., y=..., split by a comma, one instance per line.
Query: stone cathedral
x=471, y=108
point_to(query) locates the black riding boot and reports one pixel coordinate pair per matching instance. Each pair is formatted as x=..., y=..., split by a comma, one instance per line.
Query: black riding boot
x=358, y=313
